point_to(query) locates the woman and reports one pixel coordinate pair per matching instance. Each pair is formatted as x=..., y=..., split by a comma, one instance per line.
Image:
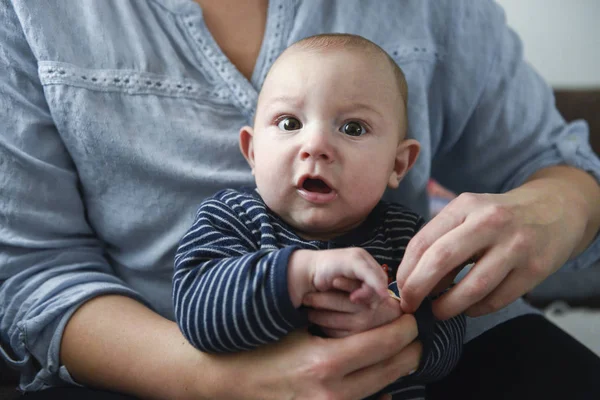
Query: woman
x=118, y=118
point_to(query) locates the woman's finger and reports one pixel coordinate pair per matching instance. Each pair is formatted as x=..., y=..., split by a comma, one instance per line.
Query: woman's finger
x=485, y=275
x=514, y=286
x=333, y=320
x=401, y=364
x=447, y=280
x=366, y=349
x=449, y=218
x=450, y=251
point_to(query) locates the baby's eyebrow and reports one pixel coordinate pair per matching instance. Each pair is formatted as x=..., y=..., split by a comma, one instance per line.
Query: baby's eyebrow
x=283, y=98
x=288, y=101
x=354, y=107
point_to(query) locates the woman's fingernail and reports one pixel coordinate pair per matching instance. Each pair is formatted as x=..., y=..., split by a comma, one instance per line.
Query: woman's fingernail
x=412, y=372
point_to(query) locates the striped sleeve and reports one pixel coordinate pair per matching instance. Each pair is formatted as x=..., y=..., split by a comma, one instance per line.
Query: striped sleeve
x=439, y=358
x=442, y=350
x=442, y=342
x=228, y=294
x=443, y=347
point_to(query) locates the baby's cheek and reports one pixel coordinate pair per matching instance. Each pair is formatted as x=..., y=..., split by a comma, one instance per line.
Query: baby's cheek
x=371, y=185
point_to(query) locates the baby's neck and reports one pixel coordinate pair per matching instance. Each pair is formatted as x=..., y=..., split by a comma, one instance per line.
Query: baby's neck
x=327, y=235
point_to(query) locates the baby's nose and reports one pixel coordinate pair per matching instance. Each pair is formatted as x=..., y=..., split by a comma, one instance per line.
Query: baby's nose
x=317, y=145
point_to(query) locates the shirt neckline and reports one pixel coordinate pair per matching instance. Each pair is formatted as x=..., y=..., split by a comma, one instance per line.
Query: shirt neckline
x=243, y=92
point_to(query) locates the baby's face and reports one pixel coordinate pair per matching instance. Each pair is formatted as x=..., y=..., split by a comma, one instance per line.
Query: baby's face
x=325, y=139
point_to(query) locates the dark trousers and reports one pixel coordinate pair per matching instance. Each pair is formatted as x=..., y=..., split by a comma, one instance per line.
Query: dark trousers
x=525, y=358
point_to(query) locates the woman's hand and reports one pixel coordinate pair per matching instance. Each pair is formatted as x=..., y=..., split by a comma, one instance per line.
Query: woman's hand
x=338, y=316
x=302, y=366
x=110, y=336
x=516, y=239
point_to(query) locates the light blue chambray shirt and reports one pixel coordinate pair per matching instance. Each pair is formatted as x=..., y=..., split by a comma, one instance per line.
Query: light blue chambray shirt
x=118, y=117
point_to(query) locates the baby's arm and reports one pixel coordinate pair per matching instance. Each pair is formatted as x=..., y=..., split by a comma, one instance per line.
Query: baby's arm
x=317, y=271
x=228, y=293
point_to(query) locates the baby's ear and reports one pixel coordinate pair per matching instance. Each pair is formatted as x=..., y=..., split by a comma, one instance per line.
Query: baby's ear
x=247, y=145
x=406, y=155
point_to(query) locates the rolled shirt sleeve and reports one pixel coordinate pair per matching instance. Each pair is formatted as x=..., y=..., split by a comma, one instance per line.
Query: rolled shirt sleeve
x=50, y=260
x=510, y=127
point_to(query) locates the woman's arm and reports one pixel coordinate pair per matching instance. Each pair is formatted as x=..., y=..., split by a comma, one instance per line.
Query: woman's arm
x=520, y=238
x=558, y=216
x=51, y=261
x=576, y=192
x=115, y=343
x=60, y=297
x=510, y=139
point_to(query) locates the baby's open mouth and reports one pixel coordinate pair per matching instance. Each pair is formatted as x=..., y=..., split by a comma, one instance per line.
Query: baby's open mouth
x=315, y=185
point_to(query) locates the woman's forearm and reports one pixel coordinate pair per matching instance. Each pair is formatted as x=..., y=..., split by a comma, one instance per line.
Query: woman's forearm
x=116, y=343
x=580, y=193
x=517, y=239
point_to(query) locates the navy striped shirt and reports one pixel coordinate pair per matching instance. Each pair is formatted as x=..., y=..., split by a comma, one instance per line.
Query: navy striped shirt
x=230, y=288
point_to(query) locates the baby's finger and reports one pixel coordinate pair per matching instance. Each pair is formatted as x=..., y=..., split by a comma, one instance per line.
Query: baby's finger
x=331, y=300
x=373, y=275
x=365, y=295
x=345, y=284
x=373, y=281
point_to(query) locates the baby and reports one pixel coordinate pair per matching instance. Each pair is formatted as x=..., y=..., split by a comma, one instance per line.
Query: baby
x=329, y=137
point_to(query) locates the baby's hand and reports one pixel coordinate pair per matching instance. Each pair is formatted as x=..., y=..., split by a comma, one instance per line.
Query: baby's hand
x=337, y=316
x=354, y=264
x=311, y=271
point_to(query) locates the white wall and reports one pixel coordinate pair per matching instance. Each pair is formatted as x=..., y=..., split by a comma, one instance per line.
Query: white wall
x=561, y=38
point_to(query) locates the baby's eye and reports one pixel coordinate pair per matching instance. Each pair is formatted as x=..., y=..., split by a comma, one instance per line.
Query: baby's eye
x=353, y=128
x=289, y=124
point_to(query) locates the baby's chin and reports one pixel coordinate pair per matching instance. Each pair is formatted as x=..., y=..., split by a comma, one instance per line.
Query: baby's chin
x=315, y=231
